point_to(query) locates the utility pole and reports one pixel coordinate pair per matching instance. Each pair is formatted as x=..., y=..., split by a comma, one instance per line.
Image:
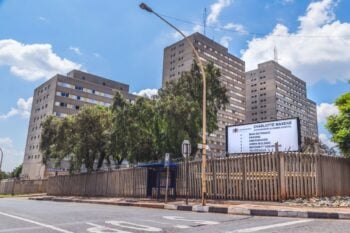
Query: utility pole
x=143, y=6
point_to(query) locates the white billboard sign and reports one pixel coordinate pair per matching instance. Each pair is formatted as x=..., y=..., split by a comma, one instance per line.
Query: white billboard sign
x=261, y=137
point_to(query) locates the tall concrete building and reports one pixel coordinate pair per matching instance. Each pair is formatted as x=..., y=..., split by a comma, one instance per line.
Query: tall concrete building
x=178, y=58
x=273, y=92
x=62, y=96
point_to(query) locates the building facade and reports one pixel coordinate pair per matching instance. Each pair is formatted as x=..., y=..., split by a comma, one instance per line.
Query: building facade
x=178, y=58
x=62, y=96
x=273, y=93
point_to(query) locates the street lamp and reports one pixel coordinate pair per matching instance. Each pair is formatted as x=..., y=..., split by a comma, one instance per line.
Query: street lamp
x=204, y=99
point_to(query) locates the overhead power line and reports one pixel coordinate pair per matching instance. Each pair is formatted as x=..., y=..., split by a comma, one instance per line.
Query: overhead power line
x=253, y=33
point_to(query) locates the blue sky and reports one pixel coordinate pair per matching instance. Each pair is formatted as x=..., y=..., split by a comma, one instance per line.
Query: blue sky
x=117, y=40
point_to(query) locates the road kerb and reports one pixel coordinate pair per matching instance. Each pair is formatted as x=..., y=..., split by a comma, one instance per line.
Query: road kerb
x=220, y=210
x=238, y=210
x=322, y=215
x=170, y=207
x=344, y=215
x=292, y=214
x=200, y=208
x=213, y=209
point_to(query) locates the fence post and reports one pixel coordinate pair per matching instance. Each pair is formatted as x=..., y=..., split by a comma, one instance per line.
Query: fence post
x=133, y=182
x=319, y=176
x=282, y=173
x=86, y=178
x=107, y=179
x=13, y=187
x=244, y=178
x=227, y=176
x=95, y=192
x=214, y=181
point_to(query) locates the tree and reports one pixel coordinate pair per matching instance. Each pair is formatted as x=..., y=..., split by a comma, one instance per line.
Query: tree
x=91, y=134
x=4, y=175
x=16, y=172
x=140, y=131
x=57, y=140
x=339, y=125
x=134, y=131
x=82, y=138
x=182, y=120
x=48, y=136
x=120, y=135
x=184, y=101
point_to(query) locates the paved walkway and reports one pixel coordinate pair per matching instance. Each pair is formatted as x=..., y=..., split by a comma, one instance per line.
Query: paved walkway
x=229, y=207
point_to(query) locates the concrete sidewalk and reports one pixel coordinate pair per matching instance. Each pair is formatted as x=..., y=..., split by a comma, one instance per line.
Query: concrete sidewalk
x=224, y=207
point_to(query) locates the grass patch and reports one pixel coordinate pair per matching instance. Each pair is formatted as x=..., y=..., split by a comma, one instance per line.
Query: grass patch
x=5, y=195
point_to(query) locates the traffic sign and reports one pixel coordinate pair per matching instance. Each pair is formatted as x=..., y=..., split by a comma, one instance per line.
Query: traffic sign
x=186, y=148
x=200, y=146
x=167, y=160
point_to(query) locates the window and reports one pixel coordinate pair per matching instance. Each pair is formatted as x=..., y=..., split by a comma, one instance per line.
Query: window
x=79, y=88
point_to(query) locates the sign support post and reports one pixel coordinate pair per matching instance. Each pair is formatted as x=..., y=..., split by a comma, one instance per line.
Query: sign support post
x=186, y=180
x=167, y=164
x=186, y=151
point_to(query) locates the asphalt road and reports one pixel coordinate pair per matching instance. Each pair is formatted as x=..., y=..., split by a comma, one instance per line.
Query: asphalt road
x=21, y=215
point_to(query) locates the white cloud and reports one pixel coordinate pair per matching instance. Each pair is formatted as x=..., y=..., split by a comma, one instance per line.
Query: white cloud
x=177, y=36
x=43, y=19
x=97, y=55
x=225, y=41
x=6, y=141
x=308, y=52
x=237, y=27
x=197, y=28
x=326, y=140
x=149, y=93
x=284, y=2
x=76, y=50
x=22, y=109
x=33, y=61
x=318, y=14
x=12, y=156
x=325, y=110
x=215, y=10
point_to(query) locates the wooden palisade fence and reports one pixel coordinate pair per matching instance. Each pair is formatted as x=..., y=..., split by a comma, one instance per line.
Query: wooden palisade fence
x=265, y=177
x=268, y=177
x=120, y=183
x=13, y=186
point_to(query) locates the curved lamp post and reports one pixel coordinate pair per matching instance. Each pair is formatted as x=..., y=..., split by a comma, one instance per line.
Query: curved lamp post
x=204, y=99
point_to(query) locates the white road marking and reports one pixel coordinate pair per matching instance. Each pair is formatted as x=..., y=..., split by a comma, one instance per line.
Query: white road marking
x=17, y=229
x=36, y=223
x=163, y=223
x=134, y=226
x=259, y=228
x=182, y=226
x=102, y=229
x=198, y=221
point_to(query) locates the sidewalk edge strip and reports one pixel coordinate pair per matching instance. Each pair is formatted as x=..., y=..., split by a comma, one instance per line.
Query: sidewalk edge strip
x=214, y=209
